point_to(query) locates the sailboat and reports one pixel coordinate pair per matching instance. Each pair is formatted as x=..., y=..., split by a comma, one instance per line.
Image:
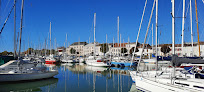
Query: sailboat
x=50, y=59
x=18, y=70
x=169, y=79
x=93, y=60
x=121, y=61
x=66, y=58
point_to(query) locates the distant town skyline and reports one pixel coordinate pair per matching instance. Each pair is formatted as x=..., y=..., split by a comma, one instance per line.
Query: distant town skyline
x=75, y=17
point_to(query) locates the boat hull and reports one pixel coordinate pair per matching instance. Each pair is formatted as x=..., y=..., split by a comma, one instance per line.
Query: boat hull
x=149, y=83
x=126, y=64
x=50, y=61
x=94, y=63
x=68, y=61
x=29, y=76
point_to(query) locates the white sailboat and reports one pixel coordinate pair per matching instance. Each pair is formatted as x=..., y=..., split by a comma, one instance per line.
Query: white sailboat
x=69, y=59
x=96, y=61
x=50, y=59
x=93, y=60
x=169, y=79
x=18, y=70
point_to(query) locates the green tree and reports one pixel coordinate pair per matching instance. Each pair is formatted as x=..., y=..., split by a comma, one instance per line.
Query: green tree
x=123, y=50
x=4, y=53
x=10, y=53
x=29, y=50
x=43, y=51
x=53, y=51
x=104, y=48
x=72, y=51
x=132, y=50
x=165, y=49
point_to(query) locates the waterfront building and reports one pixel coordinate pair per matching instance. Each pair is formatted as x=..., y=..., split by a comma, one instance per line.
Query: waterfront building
x=83, y=48
x=78, y=47
x=116, y=49
x=187, y=50
x=89, y=49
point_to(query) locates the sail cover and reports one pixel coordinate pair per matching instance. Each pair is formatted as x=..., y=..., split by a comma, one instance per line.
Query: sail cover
x=177, y=61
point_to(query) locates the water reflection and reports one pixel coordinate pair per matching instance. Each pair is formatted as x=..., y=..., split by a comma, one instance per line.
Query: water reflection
x=95, y=79
x=27, y=85
x=77, y=78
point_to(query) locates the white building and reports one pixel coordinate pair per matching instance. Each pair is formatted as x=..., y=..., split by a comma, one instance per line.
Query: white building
x=187, y=50
x=89, y=49
x=116, y=49
x=78, y=46
x=82, y=48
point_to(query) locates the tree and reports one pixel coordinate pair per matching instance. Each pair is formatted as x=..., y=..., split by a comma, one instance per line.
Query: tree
x=6, y=53
x=29, y=50
x=165, y=49
x=43, y=51
x=72, y=51
x=104, y=48
x=53, y=51
x=132, y=50
x=123, y=50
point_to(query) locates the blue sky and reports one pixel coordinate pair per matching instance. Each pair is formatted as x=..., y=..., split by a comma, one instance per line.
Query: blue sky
x=75, y=17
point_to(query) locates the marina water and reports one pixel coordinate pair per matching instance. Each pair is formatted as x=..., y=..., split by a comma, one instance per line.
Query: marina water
x=77, y=78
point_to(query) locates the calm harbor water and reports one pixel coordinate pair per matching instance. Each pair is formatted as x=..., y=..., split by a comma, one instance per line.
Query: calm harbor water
x=77, y=78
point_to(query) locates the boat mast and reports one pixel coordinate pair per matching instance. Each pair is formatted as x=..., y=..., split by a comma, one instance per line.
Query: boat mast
x=94, y=33
x=66, y=40
x=129, y=45
x=197, y=26
x=156, y=33
x=21, y=28
x=183, y=22
x=138, y=34
x=14, y=29
x=47, y=43
x=113, y=44
x=45, y=47
x=123, y=45
x=118, y=37
x=55, y=48
x=173, y=28
x=106, y=42
x=28, y=47
x=50, y=40
x=120, y=46
x=173, y=33
x=79, y=47
x=152, y=37
x=146, y=34
x=191, y=27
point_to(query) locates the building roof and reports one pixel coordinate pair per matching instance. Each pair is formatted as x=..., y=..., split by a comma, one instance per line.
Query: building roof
x=60, y=47
x=92, y=44
x=120, y=45
x=185, y=44
x=146, y=46
x=78, y=43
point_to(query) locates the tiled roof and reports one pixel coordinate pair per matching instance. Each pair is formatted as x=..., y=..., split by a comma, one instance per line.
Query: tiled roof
x=120, y=45
x=146, y=46
x=79, y=43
